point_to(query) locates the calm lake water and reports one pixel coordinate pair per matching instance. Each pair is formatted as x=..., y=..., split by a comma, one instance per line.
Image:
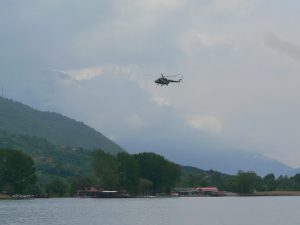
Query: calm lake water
x=156, y=211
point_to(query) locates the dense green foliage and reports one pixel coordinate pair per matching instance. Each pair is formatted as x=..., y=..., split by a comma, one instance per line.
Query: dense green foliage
x=162, y=173
x=247, y=183
x=17, y=118
x=51, y=161
x=144, y=172
x=128, y=170
x=17, y=171
x=56, y=187
x=243, y=182
x=106, y=169
x=194, y=177
x=79, y=183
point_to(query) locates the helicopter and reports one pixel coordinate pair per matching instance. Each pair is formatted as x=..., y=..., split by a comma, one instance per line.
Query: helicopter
x=163, y=80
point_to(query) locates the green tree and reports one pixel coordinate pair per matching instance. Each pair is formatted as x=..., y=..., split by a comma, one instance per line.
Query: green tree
x=216, y=179
x=231, y=184
x=33, y=189
x=162, y=173
x=145, y=187
x=284, y=183
x=297, y=180
x=128, y=171
x=56, y=188
x=247, y=182
x=106, y=169
x=16, y=170
x=269, y=182
x=79, y=184
x=171, y=175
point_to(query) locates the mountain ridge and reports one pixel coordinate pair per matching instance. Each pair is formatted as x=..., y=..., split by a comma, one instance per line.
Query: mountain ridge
x=21, y=119
x=219, y=158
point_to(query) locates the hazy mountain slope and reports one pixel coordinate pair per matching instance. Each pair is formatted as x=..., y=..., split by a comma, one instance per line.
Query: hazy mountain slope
x=196, y=152
x=52, y=161
x=294, y=172
x=17, y=118
x=193, y=177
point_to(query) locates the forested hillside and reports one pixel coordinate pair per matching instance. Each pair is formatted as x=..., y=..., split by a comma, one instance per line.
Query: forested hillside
x=51, y=161
x=17, y=118
x=194, y=177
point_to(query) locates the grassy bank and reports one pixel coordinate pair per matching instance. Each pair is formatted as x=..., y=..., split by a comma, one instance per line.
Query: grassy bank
x=4, y=197
x=278, y=193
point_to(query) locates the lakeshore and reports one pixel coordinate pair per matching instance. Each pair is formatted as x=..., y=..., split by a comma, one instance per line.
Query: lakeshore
x=278, y=193
x=257, y=194
x=4, y=197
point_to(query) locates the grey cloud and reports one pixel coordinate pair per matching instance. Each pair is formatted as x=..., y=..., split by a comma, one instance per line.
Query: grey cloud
x=235, y=80
x=39, y=33
x=284, y=47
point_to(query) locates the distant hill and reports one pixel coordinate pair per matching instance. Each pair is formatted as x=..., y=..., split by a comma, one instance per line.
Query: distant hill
x=196, y=152
x=294, y=172
x=52, y=161
x=194, y=171
x=194, y=177
x=17, y=118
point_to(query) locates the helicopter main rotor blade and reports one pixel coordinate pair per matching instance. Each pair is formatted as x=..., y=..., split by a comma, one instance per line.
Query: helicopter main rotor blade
x=148, y=75
x=173, y=75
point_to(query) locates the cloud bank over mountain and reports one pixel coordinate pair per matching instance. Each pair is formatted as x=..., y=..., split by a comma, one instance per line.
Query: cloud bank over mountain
x=89, y=60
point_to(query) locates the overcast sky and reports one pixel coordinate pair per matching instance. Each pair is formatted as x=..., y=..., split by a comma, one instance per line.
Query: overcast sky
x=90, y=60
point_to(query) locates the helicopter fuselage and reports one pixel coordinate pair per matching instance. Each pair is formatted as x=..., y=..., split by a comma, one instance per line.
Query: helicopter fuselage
x=164, y=81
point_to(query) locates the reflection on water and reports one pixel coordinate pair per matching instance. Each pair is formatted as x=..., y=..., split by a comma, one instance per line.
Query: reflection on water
x=157, y=211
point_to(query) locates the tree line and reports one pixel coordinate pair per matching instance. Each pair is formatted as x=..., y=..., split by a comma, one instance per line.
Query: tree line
x=142, y=173
x=250, y=182
x=138, y=174
x=242, y=183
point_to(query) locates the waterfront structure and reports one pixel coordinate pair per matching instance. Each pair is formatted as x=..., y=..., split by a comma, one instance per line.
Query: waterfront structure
x=93, y=192
x=198, y=191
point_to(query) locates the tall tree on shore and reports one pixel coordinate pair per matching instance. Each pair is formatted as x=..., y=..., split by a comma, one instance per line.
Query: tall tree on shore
x=56, y=188
x=155, y=168
x=17, y=170
x=269, y=182
x=106, y=169
x=247, y=182
x=128, y=171
x=297, y=180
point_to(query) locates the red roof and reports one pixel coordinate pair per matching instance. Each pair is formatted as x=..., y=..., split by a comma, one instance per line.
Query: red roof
x=212, y=189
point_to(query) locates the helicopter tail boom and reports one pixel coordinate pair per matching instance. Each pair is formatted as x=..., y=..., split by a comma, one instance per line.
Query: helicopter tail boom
x=176, y=81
